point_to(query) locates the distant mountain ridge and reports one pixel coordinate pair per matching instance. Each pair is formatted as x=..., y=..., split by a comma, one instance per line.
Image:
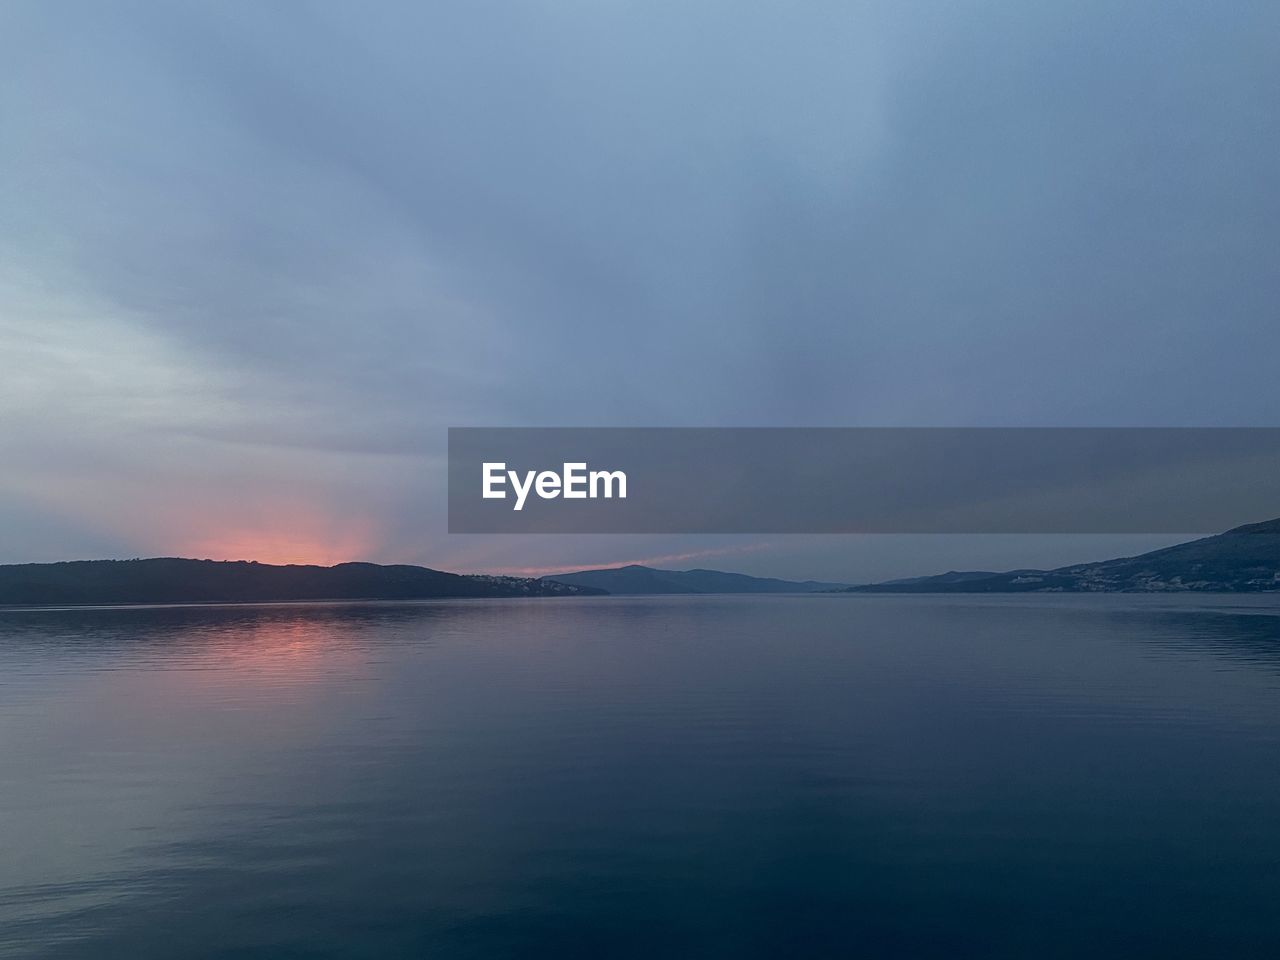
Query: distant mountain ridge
x=1245, y=559
x=178, y=580
x=635, y=579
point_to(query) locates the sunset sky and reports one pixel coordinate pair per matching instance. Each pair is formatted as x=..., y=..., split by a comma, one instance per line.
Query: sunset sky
x=256, y=258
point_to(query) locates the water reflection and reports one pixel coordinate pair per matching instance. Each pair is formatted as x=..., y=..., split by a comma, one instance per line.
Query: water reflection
x=714, y=776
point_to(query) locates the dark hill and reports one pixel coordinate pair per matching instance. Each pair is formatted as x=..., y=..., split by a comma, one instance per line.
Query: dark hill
x=1244, y=559
x=173, y=580
x=637, y=579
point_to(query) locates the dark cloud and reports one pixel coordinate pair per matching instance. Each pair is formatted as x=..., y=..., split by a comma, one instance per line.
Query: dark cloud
x=325, y=232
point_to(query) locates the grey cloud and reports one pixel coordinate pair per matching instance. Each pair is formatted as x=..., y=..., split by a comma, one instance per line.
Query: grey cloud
x=363, y=223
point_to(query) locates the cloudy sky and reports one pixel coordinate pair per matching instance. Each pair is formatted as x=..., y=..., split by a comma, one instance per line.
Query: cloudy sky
x=256, y=258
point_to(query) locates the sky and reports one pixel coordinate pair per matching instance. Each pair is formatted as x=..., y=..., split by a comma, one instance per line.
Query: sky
x=255, y=259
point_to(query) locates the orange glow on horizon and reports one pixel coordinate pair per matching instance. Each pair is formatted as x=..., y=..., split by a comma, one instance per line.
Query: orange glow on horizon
x=292, y=533
x=270, y=548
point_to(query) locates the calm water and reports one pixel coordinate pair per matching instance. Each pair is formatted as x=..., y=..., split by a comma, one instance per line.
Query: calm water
x=679, y=777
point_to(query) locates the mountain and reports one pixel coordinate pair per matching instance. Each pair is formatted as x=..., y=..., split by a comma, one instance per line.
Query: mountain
x=175, y=580
x=636, y=579
x=1245, y=559
x=951, y=576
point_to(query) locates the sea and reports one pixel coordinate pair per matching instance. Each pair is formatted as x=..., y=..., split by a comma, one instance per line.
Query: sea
x=853, y=776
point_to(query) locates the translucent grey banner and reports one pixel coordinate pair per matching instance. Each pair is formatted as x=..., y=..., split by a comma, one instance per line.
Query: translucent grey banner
x=861, y=480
